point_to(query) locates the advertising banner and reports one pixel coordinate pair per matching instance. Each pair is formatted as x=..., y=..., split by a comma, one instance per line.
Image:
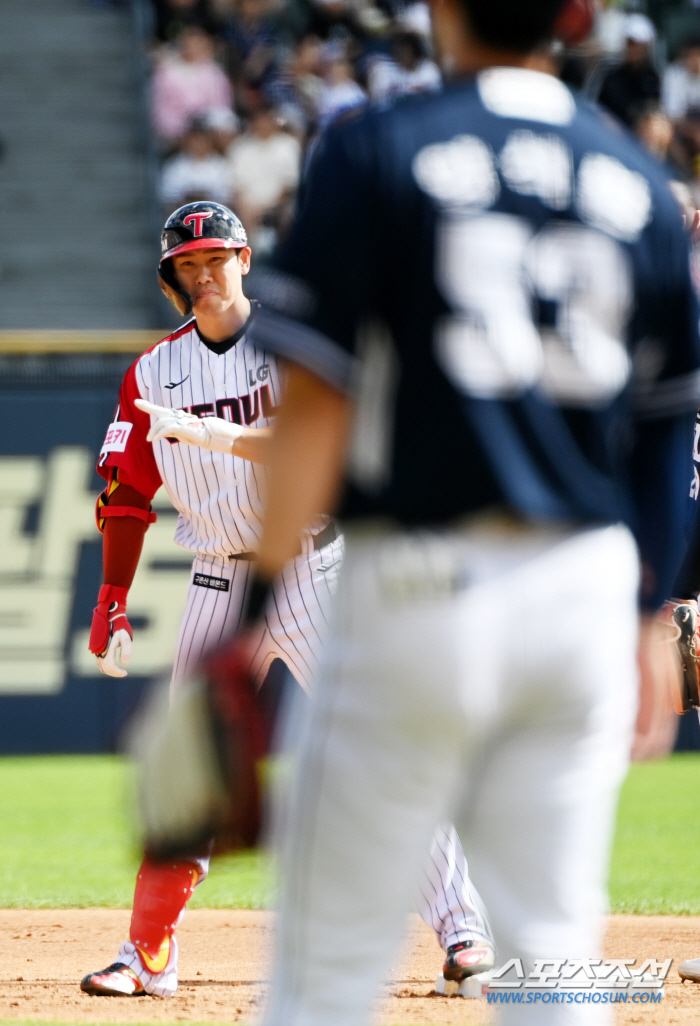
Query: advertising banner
x=52, y=696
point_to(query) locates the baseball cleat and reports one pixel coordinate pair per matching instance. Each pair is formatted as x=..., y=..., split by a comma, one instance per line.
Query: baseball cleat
x=466, y=968
x=467, y=959
x=690, y=970
x=117, y=980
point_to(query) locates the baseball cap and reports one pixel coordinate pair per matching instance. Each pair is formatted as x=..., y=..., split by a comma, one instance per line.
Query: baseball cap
x=639, y=29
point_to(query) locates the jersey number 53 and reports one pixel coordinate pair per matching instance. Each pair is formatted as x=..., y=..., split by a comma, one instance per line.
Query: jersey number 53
x=547, y=308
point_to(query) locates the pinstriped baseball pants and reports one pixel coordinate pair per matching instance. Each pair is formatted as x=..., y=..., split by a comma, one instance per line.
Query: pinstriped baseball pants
x=295, y=627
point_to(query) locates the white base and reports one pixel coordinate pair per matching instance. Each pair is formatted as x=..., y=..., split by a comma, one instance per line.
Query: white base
x=473, y=987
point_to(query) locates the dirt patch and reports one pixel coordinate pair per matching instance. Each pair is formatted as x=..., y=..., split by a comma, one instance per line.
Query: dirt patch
x=225, y=959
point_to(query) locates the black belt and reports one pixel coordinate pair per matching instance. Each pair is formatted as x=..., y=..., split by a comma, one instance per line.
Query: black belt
x=320, y=540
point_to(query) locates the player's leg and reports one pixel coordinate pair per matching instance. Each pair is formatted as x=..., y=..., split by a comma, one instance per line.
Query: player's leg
x=297, y=623
x=374, y=758
x=450, y=904
x=384, y=746
x=298, y=612
x=147, y=962
x=554, y=767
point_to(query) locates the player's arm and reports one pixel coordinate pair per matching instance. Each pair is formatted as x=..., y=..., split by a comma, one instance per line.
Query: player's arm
x=211, y=433
x=305, y=462
x=123, y=516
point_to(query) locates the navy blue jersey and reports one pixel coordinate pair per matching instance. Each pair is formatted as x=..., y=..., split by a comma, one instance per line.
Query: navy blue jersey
x=502, y=280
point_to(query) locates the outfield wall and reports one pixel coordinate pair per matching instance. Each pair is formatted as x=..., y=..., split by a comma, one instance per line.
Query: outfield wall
x=55, y=409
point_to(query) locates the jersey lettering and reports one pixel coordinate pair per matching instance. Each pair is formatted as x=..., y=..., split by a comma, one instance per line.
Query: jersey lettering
x=207, y=581
x=117, y=436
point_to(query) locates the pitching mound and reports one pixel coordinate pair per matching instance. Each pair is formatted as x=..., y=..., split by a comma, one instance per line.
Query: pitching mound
x=225, y=959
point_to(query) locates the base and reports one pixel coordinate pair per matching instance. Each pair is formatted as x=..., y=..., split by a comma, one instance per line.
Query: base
x=472, y=987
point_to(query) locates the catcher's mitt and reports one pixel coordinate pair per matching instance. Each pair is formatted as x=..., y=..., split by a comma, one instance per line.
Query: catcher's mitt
x=683, y=620
x=200, y=758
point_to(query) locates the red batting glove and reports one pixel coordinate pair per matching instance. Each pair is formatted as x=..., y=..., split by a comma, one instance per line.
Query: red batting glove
x=111, y=634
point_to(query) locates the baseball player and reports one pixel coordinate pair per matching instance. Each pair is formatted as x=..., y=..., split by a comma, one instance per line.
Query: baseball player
x=194, y=414
x=487, y=302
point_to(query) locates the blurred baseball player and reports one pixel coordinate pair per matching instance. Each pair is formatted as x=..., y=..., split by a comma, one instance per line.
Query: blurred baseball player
x=194, y=414
x=496, y=353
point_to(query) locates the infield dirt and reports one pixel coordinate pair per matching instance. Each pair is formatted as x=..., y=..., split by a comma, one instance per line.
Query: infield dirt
x=225, y=960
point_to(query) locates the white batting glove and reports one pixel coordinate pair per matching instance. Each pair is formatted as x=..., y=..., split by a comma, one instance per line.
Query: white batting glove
x=117, y=655
x=211, y=433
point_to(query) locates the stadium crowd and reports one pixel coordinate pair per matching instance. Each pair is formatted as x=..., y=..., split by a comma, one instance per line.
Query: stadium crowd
x=242, y=88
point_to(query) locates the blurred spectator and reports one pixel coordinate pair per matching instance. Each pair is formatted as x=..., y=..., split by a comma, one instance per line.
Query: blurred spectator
x=630, y=85
x=264, y=167
x=223, y=125
x=415, y=17
x=306, y=77
x=186, y=83
x=408, y=70
x=196, y=172
x=252, y=43
x=610, y=28
x=654, y=130
x=340, y=91
x=681, y=85
x=172, y=17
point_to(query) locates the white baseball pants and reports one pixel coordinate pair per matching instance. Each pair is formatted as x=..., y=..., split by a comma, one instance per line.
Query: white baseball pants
x=296, y=626
x=482, y=677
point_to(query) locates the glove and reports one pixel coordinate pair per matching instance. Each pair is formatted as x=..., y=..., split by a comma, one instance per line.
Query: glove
x=111, y=634
x=681, y=618
x=211, y=433
x=199, y=759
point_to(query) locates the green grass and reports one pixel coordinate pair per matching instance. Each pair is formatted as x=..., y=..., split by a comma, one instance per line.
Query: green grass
x=656, y=858
x=65, y=840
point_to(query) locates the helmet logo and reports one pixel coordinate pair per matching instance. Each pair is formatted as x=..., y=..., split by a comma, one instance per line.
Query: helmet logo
x=196, y=220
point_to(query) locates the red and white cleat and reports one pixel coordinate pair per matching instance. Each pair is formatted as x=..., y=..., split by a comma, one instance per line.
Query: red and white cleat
x=117, y=980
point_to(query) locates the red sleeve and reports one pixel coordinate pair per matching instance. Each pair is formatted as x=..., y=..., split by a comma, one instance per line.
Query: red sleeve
x=125, y=444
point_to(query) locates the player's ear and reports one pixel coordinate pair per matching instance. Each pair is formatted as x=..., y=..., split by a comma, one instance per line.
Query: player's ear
x=244, y=255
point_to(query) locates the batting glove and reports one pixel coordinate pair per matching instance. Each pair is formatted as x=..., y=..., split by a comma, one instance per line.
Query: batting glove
x=111, y=634
x=211, y=433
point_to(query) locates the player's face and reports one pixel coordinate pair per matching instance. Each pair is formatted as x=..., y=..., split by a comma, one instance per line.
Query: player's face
x=213, y=277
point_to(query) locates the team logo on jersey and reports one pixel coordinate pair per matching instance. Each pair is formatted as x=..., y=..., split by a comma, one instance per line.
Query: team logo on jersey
x=196, y=220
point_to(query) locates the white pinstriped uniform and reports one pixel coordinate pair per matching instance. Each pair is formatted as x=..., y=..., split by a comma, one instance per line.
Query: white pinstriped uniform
x=218, y=498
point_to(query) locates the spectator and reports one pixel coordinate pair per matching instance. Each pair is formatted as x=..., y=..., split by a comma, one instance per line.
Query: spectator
x=252, y=44
x=340, y=91
x=681, y=86
x=172, y=17
x=187, y=83
x=408, y=70
x=655, y=131
x=610, y=28
x=223, y=125
x=264, y=167
x=635, y=82
x=197, y=172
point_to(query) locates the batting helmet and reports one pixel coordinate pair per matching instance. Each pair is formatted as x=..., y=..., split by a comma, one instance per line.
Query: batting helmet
x=201, y=225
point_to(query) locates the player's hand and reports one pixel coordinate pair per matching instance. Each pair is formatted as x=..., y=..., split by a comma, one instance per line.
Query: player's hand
x=117, y=656
x=211, y=433
x=111, y=634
